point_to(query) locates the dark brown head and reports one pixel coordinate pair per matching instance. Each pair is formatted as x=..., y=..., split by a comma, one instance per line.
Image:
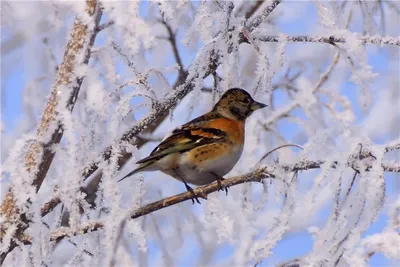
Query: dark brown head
x=237, y=104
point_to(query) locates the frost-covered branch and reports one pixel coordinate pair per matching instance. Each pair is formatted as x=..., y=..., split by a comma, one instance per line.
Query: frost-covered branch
x=392, y=146
x=77, y=53
x=254, y=8
x=285, y=111
x=378, y=40
x=257, y=20
x=105, y=26
x=64, y=93
x=386, y=242
x=272, y=171
x=172, y=40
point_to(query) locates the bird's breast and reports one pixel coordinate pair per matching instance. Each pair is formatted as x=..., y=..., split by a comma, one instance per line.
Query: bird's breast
x=200, y=164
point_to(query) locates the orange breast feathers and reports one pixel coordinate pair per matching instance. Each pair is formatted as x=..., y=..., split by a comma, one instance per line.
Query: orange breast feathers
x=233, y=128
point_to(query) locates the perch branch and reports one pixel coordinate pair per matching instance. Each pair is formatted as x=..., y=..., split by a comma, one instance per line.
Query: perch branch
x=271, y=171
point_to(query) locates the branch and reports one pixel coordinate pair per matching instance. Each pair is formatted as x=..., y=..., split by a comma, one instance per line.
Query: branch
x=392, y=146
x=50, y=131
x=253, y=9
x=285, y=111
x=329, y=40
x=104, y=26
x=254, y=23
x=81, y=41
x=172, y=41
x=49, y=206
x=271, y=171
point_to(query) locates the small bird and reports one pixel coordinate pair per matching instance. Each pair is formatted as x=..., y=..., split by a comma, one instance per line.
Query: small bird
x=205, y=149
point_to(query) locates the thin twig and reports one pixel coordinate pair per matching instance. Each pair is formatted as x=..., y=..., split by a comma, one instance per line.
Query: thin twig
x=253, y=9
x=172, y=40
x=285, y=111
x=104, y=26
x=120, y=233
x=255, y=22
x=277, y=148
x=378, y=40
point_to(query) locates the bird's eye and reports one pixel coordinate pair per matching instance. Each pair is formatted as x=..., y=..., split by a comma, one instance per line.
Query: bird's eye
x=246, y=100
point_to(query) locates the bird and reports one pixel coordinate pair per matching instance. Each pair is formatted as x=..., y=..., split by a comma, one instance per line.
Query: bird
x=206, y=148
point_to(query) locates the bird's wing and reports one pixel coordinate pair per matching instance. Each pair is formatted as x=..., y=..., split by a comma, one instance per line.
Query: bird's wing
x=190, y=135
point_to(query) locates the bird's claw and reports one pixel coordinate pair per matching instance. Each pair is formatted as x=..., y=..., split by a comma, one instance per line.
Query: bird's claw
x=195, y=198
x=222, y=188
x=188, y=188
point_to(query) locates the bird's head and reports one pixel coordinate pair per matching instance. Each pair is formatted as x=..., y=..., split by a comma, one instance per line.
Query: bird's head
x=237, y=104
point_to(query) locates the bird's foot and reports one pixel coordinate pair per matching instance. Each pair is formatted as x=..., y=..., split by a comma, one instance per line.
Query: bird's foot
x=188, y=188
x=221, y=188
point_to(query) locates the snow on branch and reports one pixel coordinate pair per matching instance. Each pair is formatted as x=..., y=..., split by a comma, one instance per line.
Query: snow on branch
x=378, y=40
x=64, y=93
x=272, y=171
x=255, y=22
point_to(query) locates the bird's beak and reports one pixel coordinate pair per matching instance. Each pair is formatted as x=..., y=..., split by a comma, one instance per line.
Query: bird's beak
x=257, y=105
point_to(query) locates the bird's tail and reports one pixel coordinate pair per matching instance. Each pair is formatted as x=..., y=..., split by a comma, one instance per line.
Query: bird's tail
x=138, y=169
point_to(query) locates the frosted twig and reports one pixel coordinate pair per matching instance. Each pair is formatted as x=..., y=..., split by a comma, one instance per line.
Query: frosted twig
x=40, y=156
x=378, y=40
x=351, y=186
x=120, y=233
x=277, y=148
x=84, y=250
x=250, y=12
x=164, y=249
x=257, y=20
x=142, y=79
x=172, y=40
x=296, y=103
x=49, y=206
x=104, y=26
x=51, y=53
x=394, y=145
x=253, y=9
